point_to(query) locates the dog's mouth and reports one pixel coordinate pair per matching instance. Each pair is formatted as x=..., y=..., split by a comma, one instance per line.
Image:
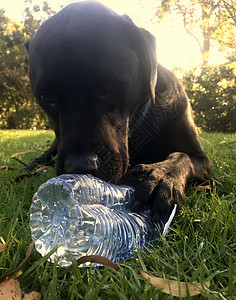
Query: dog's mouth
x=104, y=164
x=112, y=169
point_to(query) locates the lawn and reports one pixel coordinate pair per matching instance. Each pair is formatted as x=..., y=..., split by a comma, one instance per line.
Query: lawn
x=201, y=245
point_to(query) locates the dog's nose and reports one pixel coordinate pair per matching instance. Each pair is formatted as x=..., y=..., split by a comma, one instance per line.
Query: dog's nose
x=82, y=164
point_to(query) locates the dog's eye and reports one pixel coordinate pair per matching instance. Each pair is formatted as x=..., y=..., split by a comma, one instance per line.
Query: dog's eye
x=107, y=88
x=107, y=95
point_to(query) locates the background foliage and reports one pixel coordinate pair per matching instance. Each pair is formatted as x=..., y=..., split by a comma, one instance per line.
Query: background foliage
x=211, y=89
x=18, y=108
x=212, y=93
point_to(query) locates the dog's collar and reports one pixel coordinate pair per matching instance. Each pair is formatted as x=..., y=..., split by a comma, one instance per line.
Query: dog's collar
x=140, y=121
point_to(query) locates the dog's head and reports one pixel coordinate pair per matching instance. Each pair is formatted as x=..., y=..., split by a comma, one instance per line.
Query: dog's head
x=90, y=70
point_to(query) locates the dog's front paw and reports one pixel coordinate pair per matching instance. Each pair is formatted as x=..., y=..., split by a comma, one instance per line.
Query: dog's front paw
x=156, y=186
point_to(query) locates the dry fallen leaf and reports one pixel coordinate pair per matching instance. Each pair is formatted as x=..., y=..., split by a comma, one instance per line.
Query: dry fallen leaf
x=22, y=152
x=43, y=168
x=173, y=287
x=210, y=186
x=225, y=144
x=32, y=296
x=3, y=247
x=93, y=259
x=4, y=167
x=21, y=265
x=10, y=289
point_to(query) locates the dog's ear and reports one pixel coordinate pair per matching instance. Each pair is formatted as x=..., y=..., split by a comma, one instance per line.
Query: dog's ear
x=146, y=48
x=27, y=44
x=151, y=59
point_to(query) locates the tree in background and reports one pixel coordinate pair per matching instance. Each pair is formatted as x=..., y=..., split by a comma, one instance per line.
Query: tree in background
x=211, y=89
x=212, y=93
x=209, y=22
x=14, y=85
x=18, y=108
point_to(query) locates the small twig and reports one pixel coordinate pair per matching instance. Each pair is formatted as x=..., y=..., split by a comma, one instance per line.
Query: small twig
x=20, y=161
x=29, y=175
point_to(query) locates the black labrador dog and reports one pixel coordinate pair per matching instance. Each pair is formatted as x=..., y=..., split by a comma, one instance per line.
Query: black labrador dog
x=116, y=112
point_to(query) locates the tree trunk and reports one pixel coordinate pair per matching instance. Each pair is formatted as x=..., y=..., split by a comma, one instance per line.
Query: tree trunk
x=206, y=31
x=205, y=50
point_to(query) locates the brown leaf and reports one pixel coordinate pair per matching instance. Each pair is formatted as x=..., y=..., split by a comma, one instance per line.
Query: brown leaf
x=22, y=152
x=3, y=247
x=225, y=144
x=173, y=287
x=41, y=169
x=208, y=186
x=4, y=167
x=10, y=289
x=93, y=259
x=27, y=255
x=32, y=296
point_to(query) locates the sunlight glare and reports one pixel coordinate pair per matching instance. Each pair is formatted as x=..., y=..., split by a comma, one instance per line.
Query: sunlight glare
x=175, y=48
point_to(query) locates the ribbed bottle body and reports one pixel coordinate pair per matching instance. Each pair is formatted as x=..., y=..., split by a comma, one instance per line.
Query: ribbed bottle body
x=87, y=216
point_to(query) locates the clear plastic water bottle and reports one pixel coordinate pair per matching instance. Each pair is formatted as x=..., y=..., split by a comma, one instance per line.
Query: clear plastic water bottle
x=85, y=215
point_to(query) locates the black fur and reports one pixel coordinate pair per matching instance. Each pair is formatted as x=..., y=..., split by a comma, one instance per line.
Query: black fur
x=116, y=112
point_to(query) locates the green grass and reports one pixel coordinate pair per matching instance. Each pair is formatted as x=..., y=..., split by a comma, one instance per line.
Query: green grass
x=200, y=247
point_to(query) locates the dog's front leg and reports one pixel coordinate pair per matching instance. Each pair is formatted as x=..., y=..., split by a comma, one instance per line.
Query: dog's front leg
x=161, y=185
